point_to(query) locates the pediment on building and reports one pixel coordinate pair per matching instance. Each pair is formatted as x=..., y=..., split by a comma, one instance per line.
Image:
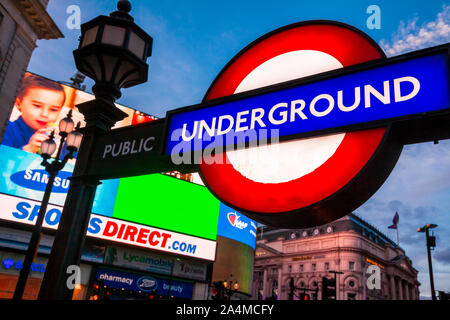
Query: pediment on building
x=406, y=265
x=403, y=263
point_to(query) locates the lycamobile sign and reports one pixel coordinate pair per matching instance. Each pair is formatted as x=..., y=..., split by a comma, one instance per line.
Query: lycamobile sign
x=146, y=261
x=138, y=260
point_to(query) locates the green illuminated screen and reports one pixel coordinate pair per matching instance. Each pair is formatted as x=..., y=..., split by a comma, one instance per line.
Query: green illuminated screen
x=168, y=203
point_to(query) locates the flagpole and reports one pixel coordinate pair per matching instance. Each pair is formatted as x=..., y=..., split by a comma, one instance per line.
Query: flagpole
x=398, y=242
x=395, y=226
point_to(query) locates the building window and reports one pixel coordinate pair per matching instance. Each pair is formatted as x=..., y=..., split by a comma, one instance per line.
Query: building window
x=289, y=268
x=301, y=268
x=274, y=271
x=260, y=285
x=274, y=289
x=313, y=267
x=351, y=265
x=275, y=284
x=327, y=266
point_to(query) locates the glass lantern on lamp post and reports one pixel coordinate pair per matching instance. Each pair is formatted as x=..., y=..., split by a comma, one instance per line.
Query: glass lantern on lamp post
x=113, y=52
x=230, y=287
x=72, y=139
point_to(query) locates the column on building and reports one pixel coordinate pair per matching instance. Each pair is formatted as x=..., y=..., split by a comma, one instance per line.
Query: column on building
x=413, y=292
x=406, y=291
x=255, y=287
x=393, y=295
x=280, y=269
x=400, y=289
x=265, y=286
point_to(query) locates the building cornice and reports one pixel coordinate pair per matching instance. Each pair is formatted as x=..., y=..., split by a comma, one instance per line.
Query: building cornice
x=266, y=260
x=38, y=18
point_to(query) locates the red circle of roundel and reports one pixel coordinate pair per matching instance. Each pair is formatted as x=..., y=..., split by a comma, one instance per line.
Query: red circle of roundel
x=349, y=46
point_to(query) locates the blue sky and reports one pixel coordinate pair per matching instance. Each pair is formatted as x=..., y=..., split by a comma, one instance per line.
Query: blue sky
x=193, y=40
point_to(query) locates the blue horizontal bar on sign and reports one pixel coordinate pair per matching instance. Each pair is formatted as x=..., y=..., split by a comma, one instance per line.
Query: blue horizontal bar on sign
x=414, y=85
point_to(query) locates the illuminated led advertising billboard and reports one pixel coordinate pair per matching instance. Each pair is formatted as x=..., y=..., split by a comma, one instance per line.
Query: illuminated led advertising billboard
x=40, y=105
x=154, y=211
x=169, y=203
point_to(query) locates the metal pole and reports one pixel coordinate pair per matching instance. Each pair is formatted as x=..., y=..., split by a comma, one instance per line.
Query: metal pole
x=170, y=279
x=100, y=115
x=336, y=286
x=33, y=247
x=34, y=242
x=430, y=269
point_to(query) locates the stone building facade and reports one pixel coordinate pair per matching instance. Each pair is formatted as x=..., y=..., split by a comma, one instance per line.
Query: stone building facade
x=348, y=245
x=22, y=23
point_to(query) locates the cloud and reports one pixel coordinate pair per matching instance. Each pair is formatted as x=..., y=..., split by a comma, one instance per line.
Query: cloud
x=443, y=256
x=422, y=171
x=410, y=36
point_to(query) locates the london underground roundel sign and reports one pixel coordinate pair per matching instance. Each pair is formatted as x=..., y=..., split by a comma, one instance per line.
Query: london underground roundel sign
x=303, y=182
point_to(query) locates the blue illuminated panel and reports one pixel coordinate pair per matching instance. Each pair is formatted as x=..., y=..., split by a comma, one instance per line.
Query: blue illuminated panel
x=236, y=226
x=145, y=283
x=413, y=86
x=22, y=175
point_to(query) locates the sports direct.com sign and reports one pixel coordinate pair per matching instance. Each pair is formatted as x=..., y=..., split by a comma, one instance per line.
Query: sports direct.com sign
x=26, y=211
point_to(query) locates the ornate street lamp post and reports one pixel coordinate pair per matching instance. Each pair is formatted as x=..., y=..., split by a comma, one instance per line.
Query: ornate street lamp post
x=230, y=287
x=112, y=51
x=48, y=147
x=224, y=290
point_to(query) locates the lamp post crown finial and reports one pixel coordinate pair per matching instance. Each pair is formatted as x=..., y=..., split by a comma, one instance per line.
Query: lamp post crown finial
x=123, y=9
x=124, y=5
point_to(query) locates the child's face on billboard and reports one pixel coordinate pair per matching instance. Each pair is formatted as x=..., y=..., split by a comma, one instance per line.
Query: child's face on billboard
x=40, y=107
